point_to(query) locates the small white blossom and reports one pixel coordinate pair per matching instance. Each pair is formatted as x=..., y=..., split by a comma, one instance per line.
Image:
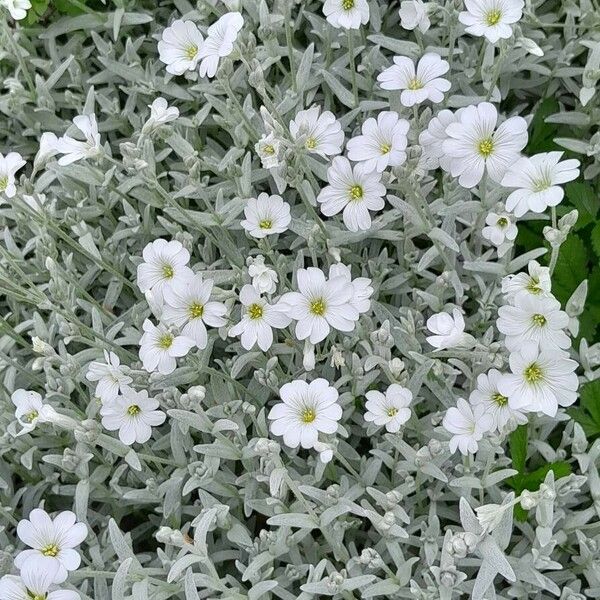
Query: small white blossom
x=319, y=305
x=538, y=181
x=499, y=229
x=361, y=286
x=390, y=409
x=413, y=15
x=355, y=191
x=347, y=14
x=133, y=415
x=268, y=149
x=305, y=411
x=420, y=84
x=535, y=282
x=9, y=165
x=266, y=215
x=48, y=148
x=17, y=8
x=533, y=318
x=74, y=150
x=495, y=404
x=467, y=424
x=33, y=584
x=220, y=38
x=160, y=113
x=432, y=139
x=540, y=379
x=30, y=410
x=449, y=330
x=164, y=267
x=321, y=133
x=264, y=278
x=258, y=320
x=109, y=375
x=179, y=47
x=188, y=306
x=491, y=18
x=52, y=543
x=382, y=143
x=475, y=144
x=159, y=348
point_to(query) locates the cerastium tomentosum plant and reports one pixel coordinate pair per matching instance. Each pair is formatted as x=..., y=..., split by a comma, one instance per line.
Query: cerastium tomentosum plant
x=280, y=308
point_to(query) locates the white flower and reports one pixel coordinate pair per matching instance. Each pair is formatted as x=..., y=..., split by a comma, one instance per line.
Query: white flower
x=390, y=409
x=432, y=138
x=541, y=379
x=320, y=305
x=382, y=143
x=413, y=15
x=52, y=542
x=30, y=410
x=533, y=318
x=9, y=165
x=133, y=414
x=159, y=348
x=268, y=149
x=467, y=424
x=349, y=14
x=258, y=319
x=188, y=306
x=160, y=113
x=476, y=145
x=536, y=282
x=164, y=267
x=32, y=584
x=74, y=150
x=47, y=149
x=538, y=181
x=499, y=229
x=17, y=8
x=449, y=330
x=355, y=191
x=109, y=375
x=424, y=83
x=264, y=279
x=321, y=133
x=219, y=42
x=494, y=403
x=306, y=409
x=266, y=215
x=491, y=18
x=180, y=46
x=325, y=451
x=361, y=287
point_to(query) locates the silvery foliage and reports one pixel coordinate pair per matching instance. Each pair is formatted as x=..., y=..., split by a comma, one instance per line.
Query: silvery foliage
x=213, y=506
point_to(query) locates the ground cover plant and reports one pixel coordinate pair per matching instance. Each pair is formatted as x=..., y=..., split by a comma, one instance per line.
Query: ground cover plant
x=299, y=299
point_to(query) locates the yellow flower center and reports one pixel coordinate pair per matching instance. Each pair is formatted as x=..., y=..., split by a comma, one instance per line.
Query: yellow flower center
x=196, y=310
x=3, y=183
x=165, y=341
x=486, y=147
x=493, y=17
x=347, y=4
x=30, y=416
x=539, y=320
x=308, y=415
x=392, y=411
x=317, y=307
x=50, y=550
x=385, y=148
x=542, y=184
x=168, y=271
x=502, y=222
x=414, y=84
x=191, y=51
x=499, y=399
x=356, y=192
x=533, y=373
x=533, y=287
x=311, y=143
x=33, y=596
x=268, y=149
x=255, y=311
x=134, y=410
x=266, y=224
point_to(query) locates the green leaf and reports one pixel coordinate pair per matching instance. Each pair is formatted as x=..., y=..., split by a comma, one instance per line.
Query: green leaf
x=532, y=481
x=542, y=134
x=571, y=268
x=587, y=414
x=583, y=197
x=518, y=447
x=595, y=238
